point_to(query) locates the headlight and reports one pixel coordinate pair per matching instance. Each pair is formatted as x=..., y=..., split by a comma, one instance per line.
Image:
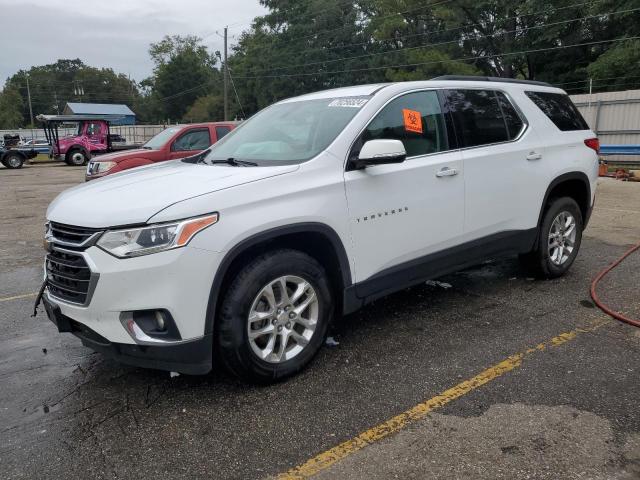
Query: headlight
x=96, y=168
x=154, y=238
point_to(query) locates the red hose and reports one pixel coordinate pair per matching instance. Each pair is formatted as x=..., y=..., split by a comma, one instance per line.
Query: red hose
x=600, y=276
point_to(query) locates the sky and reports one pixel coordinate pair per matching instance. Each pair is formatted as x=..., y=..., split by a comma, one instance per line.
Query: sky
x=111, y=33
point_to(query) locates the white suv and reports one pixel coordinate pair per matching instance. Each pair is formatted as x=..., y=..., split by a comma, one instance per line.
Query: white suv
x=312, y=208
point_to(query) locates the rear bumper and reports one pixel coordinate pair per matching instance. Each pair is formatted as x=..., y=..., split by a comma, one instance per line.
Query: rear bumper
x=192, y=357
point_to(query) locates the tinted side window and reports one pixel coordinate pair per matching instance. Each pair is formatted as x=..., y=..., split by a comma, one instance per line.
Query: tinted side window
x=560, y=110
x=477, y=117
x=511, y=118
x=192, y=140
x=222, y=131
x=415, y=119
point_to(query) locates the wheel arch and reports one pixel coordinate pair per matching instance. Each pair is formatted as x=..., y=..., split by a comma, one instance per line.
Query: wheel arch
x=316, y=239
x=572, y=184
x=77, y=146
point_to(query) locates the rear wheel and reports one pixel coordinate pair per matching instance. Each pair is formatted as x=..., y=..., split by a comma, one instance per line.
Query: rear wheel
x=559, y=239
x=274, y=316
x=13, y=160
x=76, y=158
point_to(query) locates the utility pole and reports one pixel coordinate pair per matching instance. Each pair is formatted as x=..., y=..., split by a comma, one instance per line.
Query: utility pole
x=29, y=97
x=225, y=72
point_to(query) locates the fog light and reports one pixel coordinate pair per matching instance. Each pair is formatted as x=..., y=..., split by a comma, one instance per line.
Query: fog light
x=151, y=326
x=160, y=325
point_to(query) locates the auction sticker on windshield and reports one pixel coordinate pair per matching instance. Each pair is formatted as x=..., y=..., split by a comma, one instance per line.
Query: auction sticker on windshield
x=348, y=102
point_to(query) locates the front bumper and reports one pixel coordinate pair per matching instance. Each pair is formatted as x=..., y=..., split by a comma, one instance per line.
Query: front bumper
x=178, y=281
x=191, y=357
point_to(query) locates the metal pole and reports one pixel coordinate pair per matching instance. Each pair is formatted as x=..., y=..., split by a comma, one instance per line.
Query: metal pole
x=226, y=78
x=29, y=97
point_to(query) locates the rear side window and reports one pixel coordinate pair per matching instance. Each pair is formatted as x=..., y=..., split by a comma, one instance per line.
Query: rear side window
x=222, y=131
x=560, y=110
x=477, y=117
x=415, y=119
x=511, y=118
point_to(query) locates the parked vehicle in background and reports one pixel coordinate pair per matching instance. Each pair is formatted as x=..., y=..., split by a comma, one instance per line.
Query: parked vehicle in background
x=12, y=140
x=317, y=204
x=15, y=157
x=172, y=143
x=92, y=138
x=39, y=145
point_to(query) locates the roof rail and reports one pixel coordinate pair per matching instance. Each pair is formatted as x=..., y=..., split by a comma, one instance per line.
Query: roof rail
x=473, y=78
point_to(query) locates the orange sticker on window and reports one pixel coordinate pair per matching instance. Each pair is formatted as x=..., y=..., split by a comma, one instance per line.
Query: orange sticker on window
x=412, y=120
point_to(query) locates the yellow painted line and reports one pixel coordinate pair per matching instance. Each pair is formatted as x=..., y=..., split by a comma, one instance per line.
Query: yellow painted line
x=18, y=297
x=326, y=459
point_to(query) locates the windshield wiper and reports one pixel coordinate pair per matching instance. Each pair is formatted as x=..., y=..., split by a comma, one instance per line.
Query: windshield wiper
x=197, y=158
x=147, y=148
x=234, y=163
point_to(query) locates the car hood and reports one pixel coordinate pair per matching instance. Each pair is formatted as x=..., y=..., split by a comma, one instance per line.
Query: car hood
x=135, y=195
x=122, y=155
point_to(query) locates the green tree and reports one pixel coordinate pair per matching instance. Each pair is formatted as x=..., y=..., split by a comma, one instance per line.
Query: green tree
x=209, y=108
x=617, y=68
x=184, y=70
x=53, y=85
x=11, y=108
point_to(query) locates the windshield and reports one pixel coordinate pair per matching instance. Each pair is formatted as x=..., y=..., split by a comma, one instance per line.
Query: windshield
x=288, y=133
x=162, y=138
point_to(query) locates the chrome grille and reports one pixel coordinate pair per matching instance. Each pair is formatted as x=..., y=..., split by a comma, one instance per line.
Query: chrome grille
x=68, y=276
x=71, y=236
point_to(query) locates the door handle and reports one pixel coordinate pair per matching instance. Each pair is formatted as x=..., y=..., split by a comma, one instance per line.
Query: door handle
x=447, y=172
x=534, y=156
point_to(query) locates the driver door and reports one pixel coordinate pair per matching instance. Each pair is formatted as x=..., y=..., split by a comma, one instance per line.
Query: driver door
x=400, y=213
x=97, y=135
x=189, y=143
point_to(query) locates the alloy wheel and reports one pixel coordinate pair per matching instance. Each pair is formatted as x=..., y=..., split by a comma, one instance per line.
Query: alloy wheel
x=562, y=238
x=282, y=319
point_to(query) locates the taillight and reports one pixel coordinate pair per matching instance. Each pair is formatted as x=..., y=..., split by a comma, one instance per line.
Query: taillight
x=593, y=144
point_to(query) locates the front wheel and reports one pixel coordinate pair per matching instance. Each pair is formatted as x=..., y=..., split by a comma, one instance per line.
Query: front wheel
x=274, y=316
x=76, y=158
x=559, y=239
x=13, y=160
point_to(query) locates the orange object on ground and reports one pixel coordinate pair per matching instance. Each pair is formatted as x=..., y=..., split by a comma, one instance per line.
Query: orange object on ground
x=603, y=170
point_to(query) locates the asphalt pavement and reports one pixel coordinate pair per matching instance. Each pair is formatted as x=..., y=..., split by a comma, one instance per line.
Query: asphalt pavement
x=484, y=374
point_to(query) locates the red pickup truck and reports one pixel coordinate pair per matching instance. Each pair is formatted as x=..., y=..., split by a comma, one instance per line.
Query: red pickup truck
x=172, y=143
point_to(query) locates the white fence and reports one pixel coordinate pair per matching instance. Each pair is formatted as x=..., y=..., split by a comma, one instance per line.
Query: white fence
x=134, y=134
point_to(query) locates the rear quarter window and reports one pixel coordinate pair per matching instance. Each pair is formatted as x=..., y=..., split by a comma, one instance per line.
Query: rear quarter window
x=560, y=110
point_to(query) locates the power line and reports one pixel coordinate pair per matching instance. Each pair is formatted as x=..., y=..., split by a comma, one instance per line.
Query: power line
x=418, y=64
x=437, y=32
x=233, y=84
x=456, y=41
x=595, y=79
x=283, y=12
x=323, y=32
x=603, y=86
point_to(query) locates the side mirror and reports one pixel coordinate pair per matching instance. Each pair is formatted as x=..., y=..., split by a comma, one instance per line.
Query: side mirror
x=380, y=152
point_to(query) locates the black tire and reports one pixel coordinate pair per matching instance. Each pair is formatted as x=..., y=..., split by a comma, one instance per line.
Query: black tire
x=232, y=337
x=539, y=261
x=76, y=157
x=13, y=160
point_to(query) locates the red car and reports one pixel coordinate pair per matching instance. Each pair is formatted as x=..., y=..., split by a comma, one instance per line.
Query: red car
x=175, y=142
